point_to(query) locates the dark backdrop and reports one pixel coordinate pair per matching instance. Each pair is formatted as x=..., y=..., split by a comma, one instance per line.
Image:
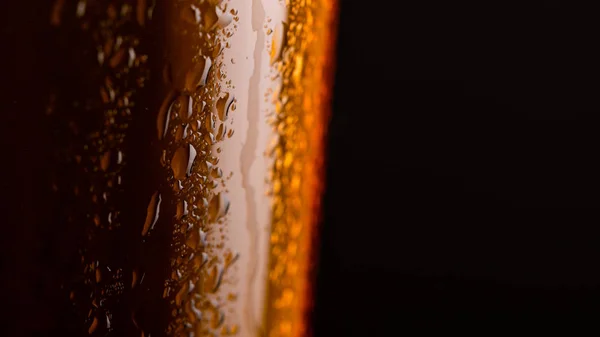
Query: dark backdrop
x=462, y=182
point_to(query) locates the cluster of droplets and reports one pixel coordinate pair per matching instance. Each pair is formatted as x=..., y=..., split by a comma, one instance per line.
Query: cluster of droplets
x=192, y=122
x=98, y=121
x=299, y=55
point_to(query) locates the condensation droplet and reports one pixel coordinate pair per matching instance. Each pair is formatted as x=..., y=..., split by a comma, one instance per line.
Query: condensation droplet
x=117, y=58
x=197, y=75
x=193, y=239
x=181, y=294
x=217, y=173
x=98, y=275
x=222, y=106
x=277, y=42
x=182, y=161
x=205, y=167
x=217, y=318
x=182, y=209
x=202, y=203
x=224, y=18
x=152, y=213
x=210, y=124
x=164, y=115
x=214, y=278
x=100, y=57
x=222, y=131
x=141, y=12
x=105, y=161
x=199, y=260
x=187, y=103
x=191, y=15
x=134, y=279
x=93, y=326
x=132, y=56
x=209, y=138
x=218, y=208
x=81, y=8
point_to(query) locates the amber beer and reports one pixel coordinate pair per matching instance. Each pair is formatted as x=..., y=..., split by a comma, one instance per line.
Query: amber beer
x=186, y=167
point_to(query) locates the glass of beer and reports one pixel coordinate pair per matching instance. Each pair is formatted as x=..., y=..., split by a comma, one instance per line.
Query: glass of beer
x=185, y=143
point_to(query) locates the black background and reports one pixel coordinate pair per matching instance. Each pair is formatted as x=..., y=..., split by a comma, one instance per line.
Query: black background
x=462, y=180
x=462, y=185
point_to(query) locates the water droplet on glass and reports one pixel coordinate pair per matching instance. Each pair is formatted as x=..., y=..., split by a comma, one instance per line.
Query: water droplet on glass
x=217, y=49
x=164, y=115
x=152, y=213
x=209, y=15
x=202, y=203
x=193, y=312
x=81, y=8
x=218, y=317
x=131, y=57
x=224, y=18
x=100, y=56
x=193, y=239
x=191, y=15
x=218, y=207
x=200, y=260
x=134, y=278
x=213, y=278
x=105, y=161
x=182, y=161
x=182, y=209
x=209, y=138
x=181, y=294
x=93, y=326
x=117, y=58
x=277, y=42
x=196, y=126
x=217, y=173
x=141, y=12
x=210, y=124
x=205, y=167
x=221, y=132
x=179, y=131
x=186, y=106
x=198, y=74
x=222, y=106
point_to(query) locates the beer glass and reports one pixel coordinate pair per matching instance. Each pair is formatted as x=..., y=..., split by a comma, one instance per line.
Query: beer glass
x=184, y=144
